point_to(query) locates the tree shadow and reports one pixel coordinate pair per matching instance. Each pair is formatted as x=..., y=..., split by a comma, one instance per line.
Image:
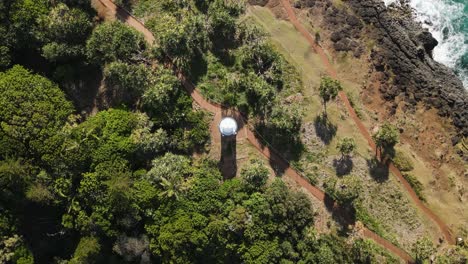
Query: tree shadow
x=379, y=171
x=324, y=129
x=343, y=166
x=198, y=67
x=282, y=145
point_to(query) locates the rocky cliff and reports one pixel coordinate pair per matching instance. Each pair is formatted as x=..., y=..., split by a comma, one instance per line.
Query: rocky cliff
x=403, y=54
x=405, y=48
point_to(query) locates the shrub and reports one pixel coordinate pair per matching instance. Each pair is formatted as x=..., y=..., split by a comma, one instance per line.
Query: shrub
x=255, y=175
x=403, y=162
x=416, y=185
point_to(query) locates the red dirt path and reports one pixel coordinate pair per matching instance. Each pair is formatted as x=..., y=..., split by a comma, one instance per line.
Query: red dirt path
x=269, y=153
x=363, y=130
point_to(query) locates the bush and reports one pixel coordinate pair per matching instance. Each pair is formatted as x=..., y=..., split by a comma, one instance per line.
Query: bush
x=255, y=175
x=416, y=185
x=402, y=161
x=368, y=220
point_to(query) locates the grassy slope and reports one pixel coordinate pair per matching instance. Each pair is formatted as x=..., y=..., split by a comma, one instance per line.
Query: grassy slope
x=398, y=219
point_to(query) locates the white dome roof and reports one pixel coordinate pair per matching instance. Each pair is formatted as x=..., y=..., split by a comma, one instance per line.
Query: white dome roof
x=228, y=126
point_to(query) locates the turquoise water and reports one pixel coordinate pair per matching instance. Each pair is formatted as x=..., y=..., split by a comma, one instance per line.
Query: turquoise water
x=447, y=20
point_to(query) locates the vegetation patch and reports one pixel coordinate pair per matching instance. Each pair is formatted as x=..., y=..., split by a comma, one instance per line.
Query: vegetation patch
x=402, y=161
x=416, y=185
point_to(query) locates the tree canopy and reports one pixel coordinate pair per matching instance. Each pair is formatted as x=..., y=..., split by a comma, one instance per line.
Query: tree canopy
x=346, y=146
x=127, y=177
x=33, y=111
x=329, y=89
x=64, y=31
x=386, y=138
x=112, y=41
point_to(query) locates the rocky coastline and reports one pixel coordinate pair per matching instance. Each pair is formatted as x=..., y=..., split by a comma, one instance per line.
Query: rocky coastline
x=405, y=50
x=402, y=55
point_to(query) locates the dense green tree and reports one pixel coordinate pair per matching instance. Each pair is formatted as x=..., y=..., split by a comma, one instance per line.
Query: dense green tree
x=13, y=247
x=23, y=19
x=13, y=250
x=103, y=204
x=329, y=89
x=149, y=142
x=170, y=107
x=222, y=17
x=15, y=176
x=112, y=41
x=169, y=171
x=255, y=175
x=161, y=96
x=126, y=82
x=291, y=211
x=64, y=31
x=180, y=36
x=33, y=112
x=107, y=136
x=86, y=251
x=386, y=138
x=423, y=249
x=261, y=58
x=182, y=240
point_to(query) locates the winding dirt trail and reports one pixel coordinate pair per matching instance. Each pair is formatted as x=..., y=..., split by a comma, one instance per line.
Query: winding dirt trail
x=363, y=130
x=267, y=152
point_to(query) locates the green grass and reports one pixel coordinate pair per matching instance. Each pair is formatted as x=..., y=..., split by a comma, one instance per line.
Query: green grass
x=354, y=103
x=292, y=45
x=402, y=161
x=416, y=185
x=372, y=223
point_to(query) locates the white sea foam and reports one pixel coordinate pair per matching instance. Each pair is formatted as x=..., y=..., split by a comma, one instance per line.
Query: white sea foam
x=389, y=2
x=441, y=17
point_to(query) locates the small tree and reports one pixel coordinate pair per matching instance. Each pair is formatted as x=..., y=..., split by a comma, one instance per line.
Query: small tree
x=423, y=249
x=255, y=175
x=346, y=146
x=87, y=249
x=329, y=89
x=344, y=190
x=386, y=138
x=169, y=172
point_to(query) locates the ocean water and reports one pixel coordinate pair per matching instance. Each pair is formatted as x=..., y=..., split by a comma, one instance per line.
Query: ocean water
x=447, y=20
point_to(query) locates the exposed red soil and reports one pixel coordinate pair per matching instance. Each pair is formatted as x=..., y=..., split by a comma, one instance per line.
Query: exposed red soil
x=268, y=152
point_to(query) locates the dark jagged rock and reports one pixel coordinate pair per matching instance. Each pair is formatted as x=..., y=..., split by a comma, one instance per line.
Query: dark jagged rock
x=405, y=49
x=345, y=27
x=428, y=41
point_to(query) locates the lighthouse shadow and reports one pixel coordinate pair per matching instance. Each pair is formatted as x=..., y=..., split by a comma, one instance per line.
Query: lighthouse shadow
x=228, y=162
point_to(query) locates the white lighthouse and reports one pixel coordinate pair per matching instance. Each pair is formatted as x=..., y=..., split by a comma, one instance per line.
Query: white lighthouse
x=228, y=127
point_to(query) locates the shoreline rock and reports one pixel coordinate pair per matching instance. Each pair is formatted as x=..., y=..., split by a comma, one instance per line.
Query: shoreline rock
x=405, y=49
x=402, y=56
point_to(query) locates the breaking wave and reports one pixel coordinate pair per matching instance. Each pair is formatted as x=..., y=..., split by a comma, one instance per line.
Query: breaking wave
x=447, y=20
